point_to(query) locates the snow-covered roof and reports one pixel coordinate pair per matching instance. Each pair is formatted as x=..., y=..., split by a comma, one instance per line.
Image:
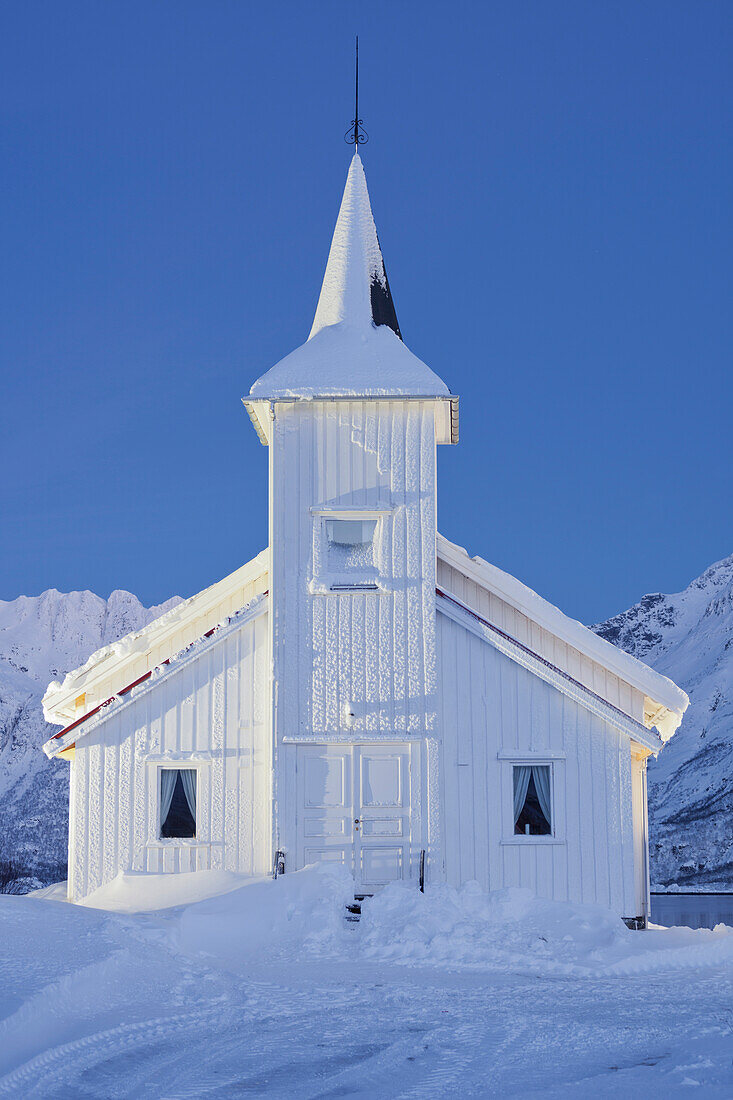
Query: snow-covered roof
x=113, y=667
x=355, y=347
x=670, y=698
x=114, y=670
x=66, y=739
x=545, y=670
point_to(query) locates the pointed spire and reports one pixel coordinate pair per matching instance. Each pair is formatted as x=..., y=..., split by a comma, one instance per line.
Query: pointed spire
x=355, y=346
x=355, y=287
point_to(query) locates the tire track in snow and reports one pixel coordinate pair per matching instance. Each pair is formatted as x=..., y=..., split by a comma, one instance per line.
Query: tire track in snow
x=81, y=1054
x=469, y=1044
x=323, y=1046
x=220, y=1030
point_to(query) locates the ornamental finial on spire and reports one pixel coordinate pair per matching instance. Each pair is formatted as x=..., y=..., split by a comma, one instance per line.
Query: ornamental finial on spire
x=356, y=134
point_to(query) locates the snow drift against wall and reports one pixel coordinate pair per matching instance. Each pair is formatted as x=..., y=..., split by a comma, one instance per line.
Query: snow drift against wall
x=513, y=997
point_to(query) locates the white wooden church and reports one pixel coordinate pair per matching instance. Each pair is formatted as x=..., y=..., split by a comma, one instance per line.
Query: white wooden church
x=363, y=691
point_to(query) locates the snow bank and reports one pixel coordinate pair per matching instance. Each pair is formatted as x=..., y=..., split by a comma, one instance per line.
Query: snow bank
x=96, y=1004
x=239, y=921
x=468, y=928
x=55, y=892
x=515, y=930
x=144, y=892
x=296, y=913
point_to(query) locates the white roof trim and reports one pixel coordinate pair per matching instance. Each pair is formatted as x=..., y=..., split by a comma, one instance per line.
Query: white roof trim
x=634, y=672
x=253, y=610
x=563, y=682
x=261, y=413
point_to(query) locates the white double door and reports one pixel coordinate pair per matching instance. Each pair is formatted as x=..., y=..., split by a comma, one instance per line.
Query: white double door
x=360, y=806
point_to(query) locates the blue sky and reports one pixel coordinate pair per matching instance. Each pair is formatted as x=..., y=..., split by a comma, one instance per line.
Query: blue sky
x=551, y=184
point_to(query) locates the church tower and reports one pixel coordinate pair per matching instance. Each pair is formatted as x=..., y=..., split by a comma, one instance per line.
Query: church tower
x=352, y=419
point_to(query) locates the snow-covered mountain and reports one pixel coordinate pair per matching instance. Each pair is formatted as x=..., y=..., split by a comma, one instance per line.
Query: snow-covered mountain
x=41, y=639
x=689, y=637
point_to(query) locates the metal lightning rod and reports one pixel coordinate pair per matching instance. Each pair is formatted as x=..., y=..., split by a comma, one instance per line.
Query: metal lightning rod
x=356, y=134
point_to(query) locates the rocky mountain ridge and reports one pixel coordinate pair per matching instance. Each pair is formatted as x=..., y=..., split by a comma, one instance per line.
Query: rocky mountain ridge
x=42, y=638
x=688, y=636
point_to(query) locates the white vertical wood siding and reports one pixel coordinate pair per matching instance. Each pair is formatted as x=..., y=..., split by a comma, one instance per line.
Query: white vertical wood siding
x=492, y=710
x=372, y=650
x=213, y=714
x=497, y=611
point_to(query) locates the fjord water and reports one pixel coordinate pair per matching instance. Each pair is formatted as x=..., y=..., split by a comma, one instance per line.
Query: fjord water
x=692, y=910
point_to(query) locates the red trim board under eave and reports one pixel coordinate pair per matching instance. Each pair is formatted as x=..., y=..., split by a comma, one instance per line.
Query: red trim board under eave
x=100, y=706
x=123, y=691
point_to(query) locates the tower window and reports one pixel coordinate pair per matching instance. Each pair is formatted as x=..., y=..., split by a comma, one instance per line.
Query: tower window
x=349, y=550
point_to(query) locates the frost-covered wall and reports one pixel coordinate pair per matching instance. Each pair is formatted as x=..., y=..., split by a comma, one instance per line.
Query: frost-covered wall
x=497, y=611
x=353, y=665
x=211, y=713
x=371, y=653
x=494, y=713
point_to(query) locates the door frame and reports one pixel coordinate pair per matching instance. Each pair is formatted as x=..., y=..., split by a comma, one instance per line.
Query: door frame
x=291, y=842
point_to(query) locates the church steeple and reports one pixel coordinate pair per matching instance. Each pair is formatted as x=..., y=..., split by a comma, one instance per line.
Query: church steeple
x=355, y=286
x=355, y=347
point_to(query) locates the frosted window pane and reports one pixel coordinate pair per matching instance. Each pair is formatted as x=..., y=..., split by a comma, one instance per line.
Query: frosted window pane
x=350, y=546
x=351, y=532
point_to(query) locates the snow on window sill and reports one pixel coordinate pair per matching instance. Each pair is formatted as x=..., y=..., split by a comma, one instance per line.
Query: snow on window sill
x=332, y=586
x=531, y=757
x=368, y=737
x=178, y=842
x=185, y=759
x=524, y=838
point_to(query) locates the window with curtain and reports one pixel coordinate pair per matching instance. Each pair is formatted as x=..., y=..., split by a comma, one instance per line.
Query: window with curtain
x=532, y=799
x=178, y=802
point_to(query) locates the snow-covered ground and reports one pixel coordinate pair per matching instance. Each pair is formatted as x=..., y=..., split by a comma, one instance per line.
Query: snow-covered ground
x=265, y=990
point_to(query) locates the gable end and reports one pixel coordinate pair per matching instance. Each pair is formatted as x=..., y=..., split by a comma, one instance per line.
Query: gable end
x=525, y=657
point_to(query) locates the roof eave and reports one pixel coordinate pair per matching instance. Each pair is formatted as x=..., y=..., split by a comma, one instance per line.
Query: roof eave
x=260, y=410
x=660, y=688
x=63, y=741
x=58, y=703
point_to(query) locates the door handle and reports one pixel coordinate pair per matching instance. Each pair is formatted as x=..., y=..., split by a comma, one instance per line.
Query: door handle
x=356, y=824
